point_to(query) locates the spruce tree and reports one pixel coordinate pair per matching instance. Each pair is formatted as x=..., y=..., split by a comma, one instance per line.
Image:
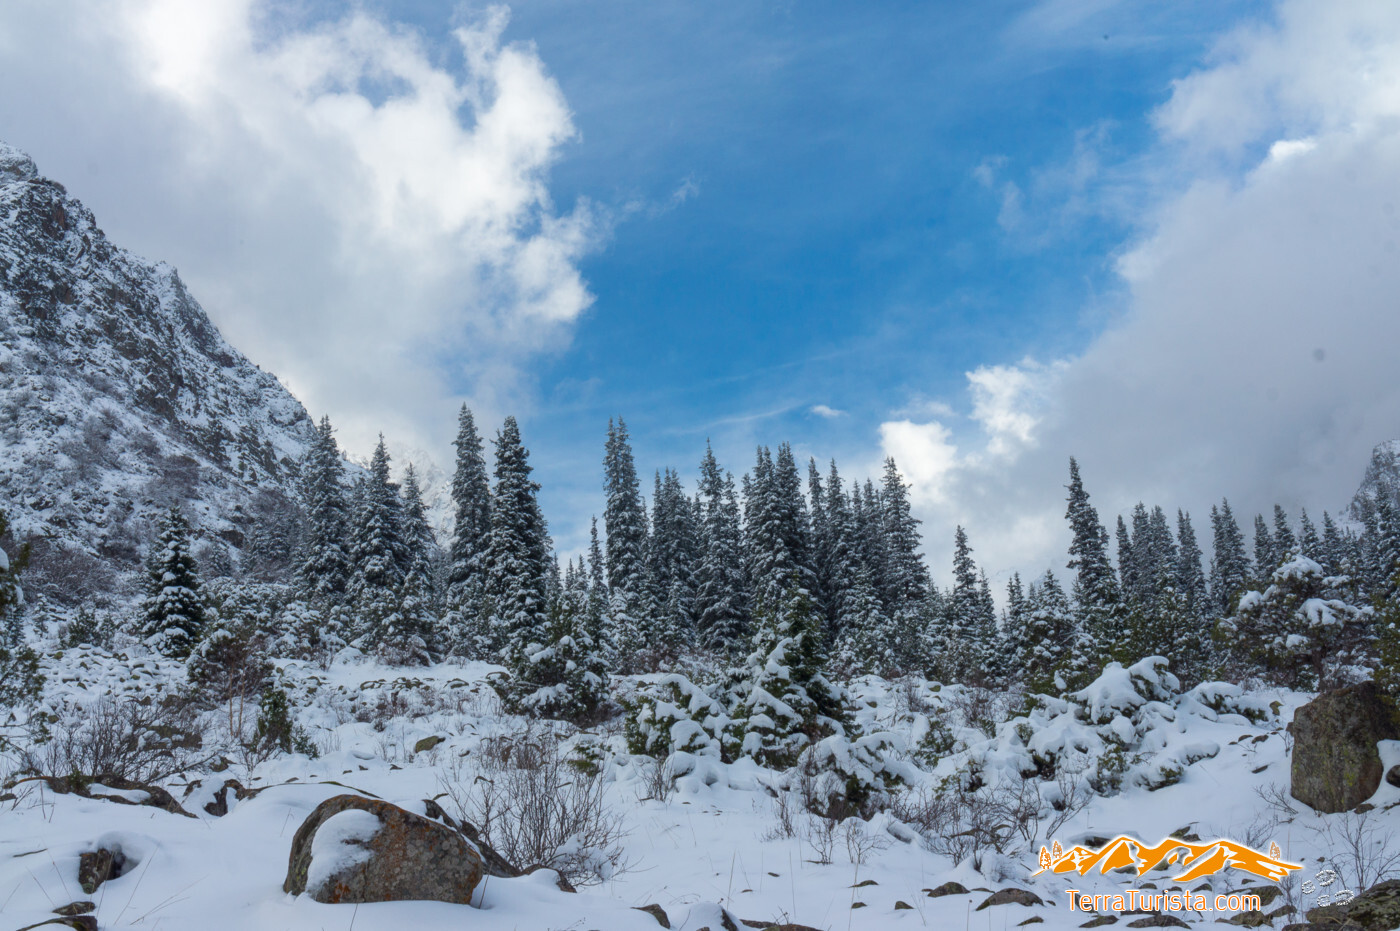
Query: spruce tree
x=1285, y=543
x=173, y=610
x=1294, y=634
x=905, y=579
x=672, y=557
x=1333, y=549
x=1309, y=543
x=786, y=702
x=721, y=615
x=1190, y=576
x=1230, y=569
x=843, y=563
x=21, y=685
x=866, y=642
x=379, y=550
x=1098, y=604
x=1049, y=645
x=471, y=529
x=1266, y=557
x=517, y=564
x=325, y=567
x=632, y=616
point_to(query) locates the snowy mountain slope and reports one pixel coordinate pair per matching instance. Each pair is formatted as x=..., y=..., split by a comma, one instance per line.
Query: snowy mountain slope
x=118, y=396
x=1382, y=478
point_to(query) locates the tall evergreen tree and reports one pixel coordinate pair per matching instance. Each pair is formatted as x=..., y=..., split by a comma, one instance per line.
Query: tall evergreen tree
x=517, y=562
x=843, y=563
x=1285, y=543
x=1230, y=569
x=721, y=615
x=471, y=529
x=1266, y=557
x=1333, y=550
x=173, y=609
x=631, y=613
x=906, y=578
x=1098, y=605
x=379, y=550
x=1309, y=544
x=1050, y=644
x=672, y=557
x=1190, y=576
x=326, y=565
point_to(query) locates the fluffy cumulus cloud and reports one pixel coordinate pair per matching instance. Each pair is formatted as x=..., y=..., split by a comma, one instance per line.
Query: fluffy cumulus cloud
x=1254, y=356
x=359, y=209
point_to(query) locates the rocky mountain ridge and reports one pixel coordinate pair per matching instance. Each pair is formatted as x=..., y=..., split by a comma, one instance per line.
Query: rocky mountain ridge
x=119, y=397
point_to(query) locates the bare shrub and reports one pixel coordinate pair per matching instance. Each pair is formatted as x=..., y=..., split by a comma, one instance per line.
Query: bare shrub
x=861, y=842
x=534, y=805
x=658, y=780
x=821, y=835
x=1363, y=850
x=126, y=738
x=967, y=819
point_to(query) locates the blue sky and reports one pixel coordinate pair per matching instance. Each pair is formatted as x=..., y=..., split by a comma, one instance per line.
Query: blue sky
x=812, y=229
x=980, y=238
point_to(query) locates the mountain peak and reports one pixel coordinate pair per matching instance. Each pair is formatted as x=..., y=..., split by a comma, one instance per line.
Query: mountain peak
x=16, y=166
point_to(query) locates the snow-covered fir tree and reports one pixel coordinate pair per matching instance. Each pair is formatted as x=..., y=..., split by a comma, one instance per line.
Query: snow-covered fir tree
x=843, y=564
x=1295, y=635
x=672, y=557
x=785, y=702
x=1050, y=644
x=173, y=612
x=380, y=553
x=1266, y=557
x=866, y=641
x=325, y=566
x=1230, y=568
x=720, y=609
x=517, y=564
x=630, y=610
x=561, y=675
x=904, y=578
x=1098, y=603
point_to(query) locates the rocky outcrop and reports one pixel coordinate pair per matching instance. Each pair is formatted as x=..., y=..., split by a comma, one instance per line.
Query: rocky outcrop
x=119, y=397
x=356, y=849
x=115, y=789
x=1336, y=765
x=1010, y=896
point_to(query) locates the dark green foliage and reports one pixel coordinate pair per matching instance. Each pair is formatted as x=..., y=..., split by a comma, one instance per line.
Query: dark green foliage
x=174, y=608
x=326, y=565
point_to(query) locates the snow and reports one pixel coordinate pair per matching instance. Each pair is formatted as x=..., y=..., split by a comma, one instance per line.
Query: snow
x=339, y=845
x=714, y=841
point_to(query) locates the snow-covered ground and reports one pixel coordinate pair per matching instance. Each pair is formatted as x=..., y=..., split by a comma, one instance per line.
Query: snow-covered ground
x=717, y=838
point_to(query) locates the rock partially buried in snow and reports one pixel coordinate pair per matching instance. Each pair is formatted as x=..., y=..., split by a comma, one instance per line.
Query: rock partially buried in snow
x=1393, y=776
x=356, y=849
x=1335, y=762
x=1376, y=909
x=1008, y=896
x=948, y=888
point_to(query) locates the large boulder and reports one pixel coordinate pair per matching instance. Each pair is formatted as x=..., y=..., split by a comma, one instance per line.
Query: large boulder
x=1335, y=762
x=356, y=849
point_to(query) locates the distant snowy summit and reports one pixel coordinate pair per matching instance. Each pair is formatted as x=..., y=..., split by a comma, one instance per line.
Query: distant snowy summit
x=119, y=397
x=1381, y=481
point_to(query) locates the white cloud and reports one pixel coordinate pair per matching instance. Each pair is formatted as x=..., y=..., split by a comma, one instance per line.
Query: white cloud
x=830, y=413
x=361, y=212
x=1254, y=354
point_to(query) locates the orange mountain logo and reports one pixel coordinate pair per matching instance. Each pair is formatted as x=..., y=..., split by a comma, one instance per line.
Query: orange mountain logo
x=1196, y=859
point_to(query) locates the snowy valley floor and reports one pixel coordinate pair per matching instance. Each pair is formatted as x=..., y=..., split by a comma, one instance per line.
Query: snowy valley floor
x=702, y=846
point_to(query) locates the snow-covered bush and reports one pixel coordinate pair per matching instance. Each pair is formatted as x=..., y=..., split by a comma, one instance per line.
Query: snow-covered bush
x=840, y=777
x=1297, y=635
x=674, y=715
